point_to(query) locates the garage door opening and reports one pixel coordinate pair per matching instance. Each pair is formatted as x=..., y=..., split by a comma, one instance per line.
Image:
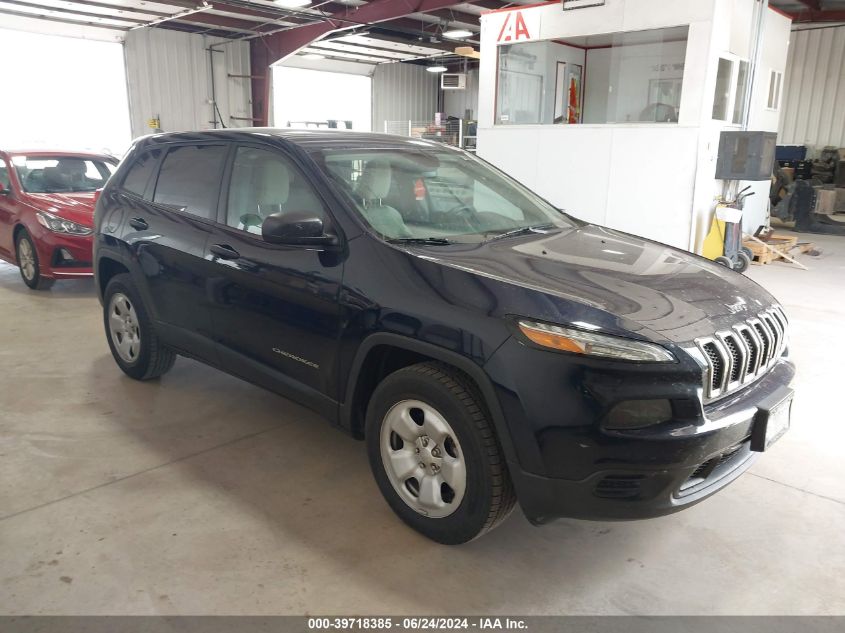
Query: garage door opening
x=304, y=98
x=73, y=95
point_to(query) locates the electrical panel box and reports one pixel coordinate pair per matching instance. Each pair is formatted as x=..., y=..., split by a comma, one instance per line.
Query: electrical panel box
x=746, y=155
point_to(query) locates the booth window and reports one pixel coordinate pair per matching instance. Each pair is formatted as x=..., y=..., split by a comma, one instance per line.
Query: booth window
x=633, y=77
x=730, y=93
x=775, y=78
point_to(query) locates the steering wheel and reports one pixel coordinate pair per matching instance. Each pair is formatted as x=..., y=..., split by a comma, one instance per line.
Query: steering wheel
x=462, y=214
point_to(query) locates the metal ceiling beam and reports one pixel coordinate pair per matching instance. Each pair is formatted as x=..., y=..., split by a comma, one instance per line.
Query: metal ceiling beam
x=62, y=10
x=815, y=5
x=120, y=8
x=49, y=18
x=826, y=15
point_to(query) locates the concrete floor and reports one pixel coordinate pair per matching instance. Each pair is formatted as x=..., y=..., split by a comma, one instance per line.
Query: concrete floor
x=204, y=495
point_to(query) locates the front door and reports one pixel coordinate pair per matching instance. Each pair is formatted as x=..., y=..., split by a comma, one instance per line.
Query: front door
x=8, y=211
x=275, y=309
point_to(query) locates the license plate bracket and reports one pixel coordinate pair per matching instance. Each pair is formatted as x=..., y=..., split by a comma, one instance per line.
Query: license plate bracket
x=772, y=420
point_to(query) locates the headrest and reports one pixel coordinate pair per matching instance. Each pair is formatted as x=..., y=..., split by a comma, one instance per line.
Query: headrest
x=53, y=176
x=71, y=165
x=273, y=181
x=375, y=181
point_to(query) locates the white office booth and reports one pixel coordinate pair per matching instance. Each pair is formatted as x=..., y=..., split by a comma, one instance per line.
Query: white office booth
x=613, y=111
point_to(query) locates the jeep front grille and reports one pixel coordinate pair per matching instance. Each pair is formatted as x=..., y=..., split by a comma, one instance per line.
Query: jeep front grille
x=742, y=354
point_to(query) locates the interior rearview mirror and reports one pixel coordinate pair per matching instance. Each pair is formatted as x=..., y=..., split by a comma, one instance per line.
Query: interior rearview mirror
x=296, y=228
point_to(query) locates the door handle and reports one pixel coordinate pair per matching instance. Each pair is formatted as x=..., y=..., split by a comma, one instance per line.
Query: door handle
x=224, y=251
x=139, y=224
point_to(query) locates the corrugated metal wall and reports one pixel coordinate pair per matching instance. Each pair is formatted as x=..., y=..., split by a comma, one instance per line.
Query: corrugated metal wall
x=457, y=102
x=813, y=102
x=168, y=75
x=403, y=92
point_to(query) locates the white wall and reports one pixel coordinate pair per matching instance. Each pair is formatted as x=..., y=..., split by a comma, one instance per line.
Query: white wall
x=813, y=102
x=71, y=93
x=169, y=75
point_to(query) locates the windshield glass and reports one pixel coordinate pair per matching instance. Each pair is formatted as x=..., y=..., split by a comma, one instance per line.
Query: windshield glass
x=436, y=193
x=61, y=174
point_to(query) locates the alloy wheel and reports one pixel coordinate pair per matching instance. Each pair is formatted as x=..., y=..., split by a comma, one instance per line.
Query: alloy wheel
x=423, y=458
x=123, y=327
x=26, y=259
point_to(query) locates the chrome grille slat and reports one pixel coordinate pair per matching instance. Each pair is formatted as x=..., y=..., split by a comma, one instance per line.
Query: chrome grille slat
x=743, y=353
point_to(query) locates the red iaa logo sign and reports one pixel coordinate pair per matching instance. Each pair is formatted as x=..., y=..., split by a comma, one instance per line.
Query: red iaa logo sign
x=514, y=28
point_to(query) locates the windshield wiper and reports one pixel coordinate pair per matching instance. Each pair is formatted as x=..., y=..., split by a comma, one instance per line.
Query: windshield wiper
x=434, y=241
x=523, y=230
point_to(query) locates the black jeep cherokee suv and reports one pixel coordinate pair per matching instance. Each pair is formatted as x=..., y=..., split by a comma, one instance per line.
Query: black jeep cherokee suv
x=488, y=347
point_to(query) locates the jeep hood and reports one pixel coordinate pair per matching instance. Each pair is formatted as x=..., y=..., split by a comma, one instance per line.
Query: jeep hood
x=633, y=283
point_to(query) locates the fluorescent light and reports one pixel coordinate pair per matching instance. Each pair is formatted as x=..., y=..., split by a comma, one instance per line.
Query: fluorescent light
x=437, y=69
x=457, y=34
x=292, y=4
x=313, y=56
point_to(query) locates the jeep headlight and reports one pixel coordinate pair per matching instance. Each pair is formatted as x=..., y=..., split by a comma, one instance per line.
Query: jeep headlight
x=60, y=225
x=564, y=339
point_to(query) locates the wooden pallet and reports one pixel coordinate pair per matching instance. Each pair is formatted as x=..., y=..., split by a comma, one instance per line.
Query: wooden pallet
x=779, y=246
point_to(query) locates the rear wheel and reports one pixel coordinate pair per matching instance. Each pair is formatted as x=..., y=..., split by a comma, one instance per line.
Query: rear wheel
x=133, y=341
x=435, y=455
x=29, y=264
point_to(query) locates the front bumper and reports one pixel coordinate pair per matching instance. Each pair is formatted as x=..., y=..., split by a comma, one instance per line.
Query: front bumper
x=64, y=256
x=575, y=468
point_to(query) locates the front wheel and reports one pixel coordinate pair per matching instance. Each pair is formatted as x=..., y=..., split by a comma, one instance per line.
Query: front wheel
x=133, y=341
x=435, y=455
x=29, y=263
x=724, y=261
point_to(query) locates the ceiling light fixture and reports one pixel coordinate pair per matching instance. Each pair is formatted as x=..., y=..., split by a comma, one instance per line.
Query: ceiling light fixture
x=457, y=34
x=292, y=4
x=436, y=69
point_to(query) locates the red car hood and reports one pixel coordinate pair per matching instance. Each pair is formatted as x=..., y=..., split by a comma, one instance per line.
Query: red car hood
x=76, y=207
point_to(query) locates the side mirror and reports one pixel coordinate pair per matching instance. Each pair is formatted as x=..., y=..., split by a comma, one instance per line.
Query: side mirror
x=297, y=228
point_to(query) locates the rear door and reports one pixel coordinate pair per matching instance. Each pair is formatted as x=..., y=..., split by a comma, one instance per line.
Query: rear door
x=275, y=311
x=168, y=228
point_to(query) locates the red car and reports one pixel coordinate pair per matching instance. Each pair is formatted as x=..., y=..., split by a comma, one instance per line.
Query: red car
x=47, y=212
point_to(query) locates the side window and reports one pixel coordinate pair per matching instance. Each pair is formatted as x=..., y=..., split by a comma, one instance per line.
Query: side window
x=139, y=173
x=263, y=183
x=4, y=175
x=189, y=179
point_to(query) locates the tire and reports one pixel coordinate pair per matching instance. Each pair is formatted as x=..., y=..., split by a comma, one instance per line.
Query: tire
x=747, y=251
x=724, y=261
x=447, y=428
x=29, y=264
x=129, y=330
x=742, y=262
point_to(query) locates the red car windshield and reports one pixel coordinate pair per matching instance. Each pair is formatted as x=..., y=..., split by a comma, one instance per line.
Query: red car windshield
x=61, y=174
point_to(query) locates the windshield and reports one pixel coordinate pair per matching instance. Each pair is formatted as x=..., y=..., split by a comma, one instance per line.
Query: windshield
x=61, y=174
x=450, y=196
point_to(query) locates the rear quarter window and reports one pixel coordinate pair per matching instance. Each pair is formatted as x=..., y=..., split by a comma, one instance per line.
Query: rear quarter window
x=138, y=176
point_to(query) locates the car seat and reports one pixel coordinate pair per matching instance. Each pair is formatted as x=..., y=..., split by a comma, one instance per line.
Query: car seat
x=373, y=187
